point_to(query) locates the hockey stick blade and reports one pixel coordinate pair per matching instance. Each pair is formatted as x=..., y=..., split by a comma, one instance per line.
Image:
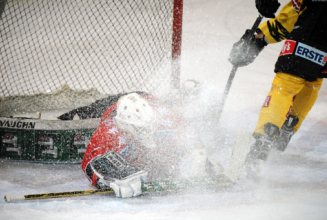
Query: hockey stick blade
x=240, y=150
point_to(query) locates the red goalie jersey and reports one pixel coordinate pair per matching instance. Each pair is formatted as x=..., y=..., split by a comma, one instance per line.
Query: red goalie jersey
x=159, y=153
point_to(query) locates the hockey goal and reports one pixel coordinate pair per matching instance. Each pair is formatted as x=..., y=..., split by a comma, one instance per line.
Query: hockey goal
x=63, y=54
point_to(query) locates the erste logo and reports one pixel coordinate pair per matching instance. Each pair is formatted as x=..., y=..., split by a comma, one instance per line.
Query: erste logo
x=310, y=53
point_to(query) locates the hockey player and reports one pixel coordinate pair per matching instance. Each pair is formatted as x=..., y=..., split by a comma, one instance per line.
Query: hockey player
x=139, y=139
x=300, y=69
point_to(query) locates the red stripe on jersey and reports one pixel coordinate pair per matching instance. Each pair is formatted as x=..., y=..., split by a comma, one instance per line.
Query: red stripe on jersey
x=296, y=5
x=94, y=179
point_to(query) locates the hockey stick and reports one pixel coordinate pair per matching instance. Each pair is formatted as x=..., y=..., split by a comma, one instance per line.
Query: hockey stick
x=234, y=69
x=224, y=179
x=147, y=187
x=242, y=144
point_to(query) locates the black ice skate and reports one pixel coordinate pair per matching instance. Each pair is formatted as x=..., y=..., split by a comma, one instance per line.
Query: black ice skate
x=260, y=150
x=286, y=132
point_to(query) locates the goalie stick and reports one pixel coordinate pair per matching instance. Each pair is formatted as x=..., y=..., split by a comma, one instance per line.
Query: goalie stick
x=147, y=187
x=226, y=178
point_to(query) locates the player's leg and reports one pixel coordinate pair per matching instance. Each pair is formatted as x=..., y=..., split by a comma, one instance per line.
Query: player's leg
x=279, y=101
x=273, y=114
x=303, y=103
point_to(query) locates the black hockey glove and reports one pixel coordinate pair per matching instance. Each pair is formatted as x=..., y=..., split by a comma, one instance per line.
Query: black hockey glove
x=115, y=172
x=245, y=51
x=267, y=8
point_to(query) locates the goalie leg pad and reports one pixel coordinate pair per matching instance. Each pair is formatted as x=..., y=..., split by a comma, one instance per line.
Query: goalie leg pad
x=195, y=164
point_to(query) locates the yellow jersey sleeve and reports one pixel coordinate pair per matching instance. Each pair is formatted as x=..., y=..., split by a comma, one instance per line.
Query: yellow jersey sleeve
x=276, y=29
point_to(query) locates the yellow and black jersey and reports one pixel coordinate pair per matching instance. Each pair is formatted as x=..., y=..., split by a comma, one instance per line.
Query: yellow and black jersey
x=303, y=24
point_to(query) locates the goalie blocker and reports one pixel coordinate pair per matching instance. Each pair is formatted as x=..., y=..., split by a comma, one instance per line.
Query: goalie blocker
x=111, y=171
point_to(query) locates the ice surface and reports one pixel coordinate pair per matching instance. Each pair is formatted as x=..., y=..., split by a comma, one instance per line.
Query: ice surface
x=292, y=187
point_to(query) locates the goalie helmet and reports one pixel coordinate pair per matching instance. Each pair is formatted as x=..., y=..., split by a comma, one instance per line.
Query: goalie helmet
x=136, y=117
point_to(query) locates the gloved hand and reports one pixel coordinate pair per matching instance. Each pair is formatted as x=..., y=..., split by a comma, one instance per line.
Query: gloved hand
x=244, y=51
x=267, y=8
x=130, y=186
x=114, y=172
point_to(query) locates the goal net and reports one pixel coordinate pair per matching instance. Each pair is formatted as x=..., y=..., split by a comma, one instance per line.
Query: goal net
x=64, y=54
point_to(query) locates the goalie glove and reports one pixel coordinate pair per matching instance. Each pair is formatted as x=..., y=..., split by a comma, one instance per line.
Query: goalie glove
x=246, y=49
x=114, y=172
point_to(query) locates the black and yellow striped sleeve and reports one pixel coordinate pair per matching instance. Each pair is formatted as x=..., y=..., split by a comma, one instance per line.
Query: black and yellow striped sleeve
x=278, y=28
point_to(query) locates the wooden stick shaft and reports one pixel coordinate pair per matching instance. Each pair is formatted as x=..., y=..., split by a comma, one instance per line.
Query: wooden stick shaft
x=58, y=195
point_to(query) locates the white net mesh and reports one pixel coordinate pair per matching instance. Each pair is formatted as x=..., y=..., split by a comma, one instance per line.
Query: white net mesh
x=65, y=54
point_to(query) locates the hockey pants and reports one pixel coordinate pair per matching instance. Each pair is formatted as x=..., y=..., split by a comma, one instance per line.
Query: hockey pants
x=289, y=95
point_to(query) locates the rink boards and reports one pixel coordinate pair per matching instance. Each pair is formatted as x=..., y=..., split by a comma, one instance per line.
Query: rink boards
x=45, y=140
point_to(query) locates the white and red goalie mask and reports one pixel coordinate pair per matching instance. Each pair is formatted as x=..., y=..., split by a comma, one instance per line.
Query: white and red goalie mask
x=136, y=117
